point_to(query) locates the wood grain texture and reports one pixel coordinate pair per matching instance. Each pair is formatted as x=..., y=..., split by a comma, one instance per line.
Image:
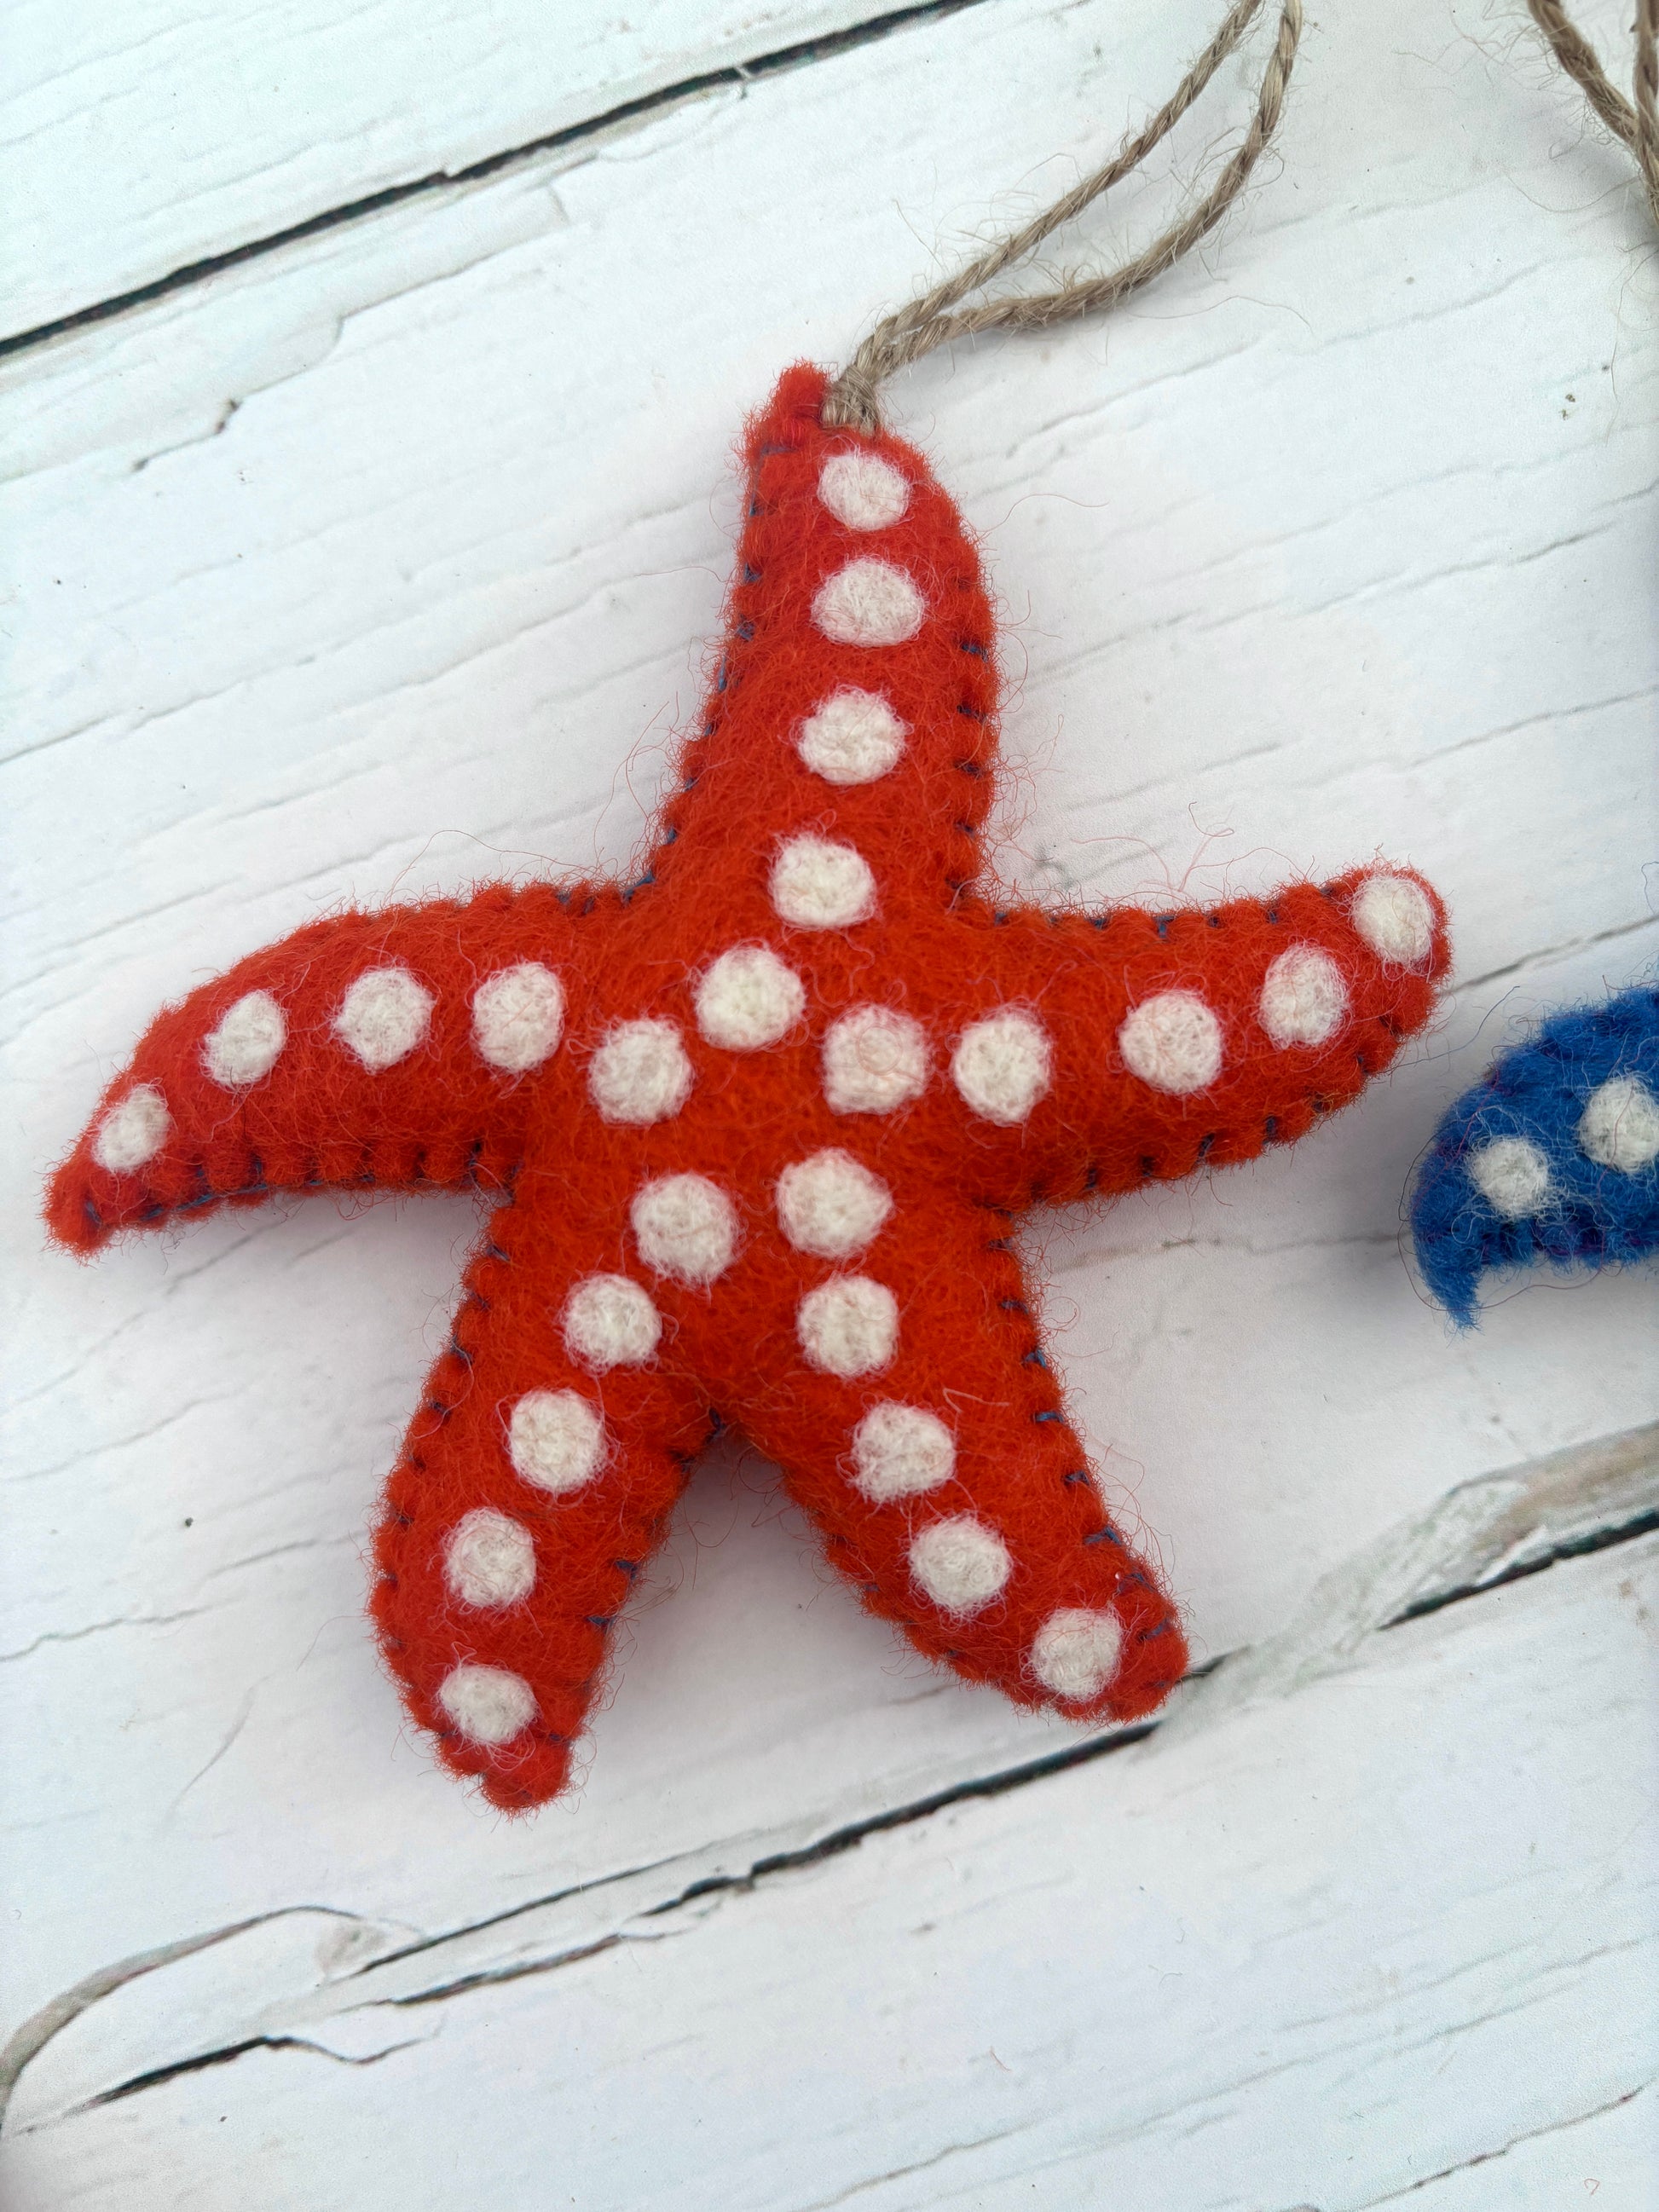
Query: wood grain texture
x=1331, y=1948
x=380, y=564
x=138, y=142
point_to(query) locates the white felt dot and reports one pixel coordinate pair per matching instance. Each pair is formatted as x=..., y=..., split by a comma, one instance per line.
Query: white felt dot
x=1001, y=1066
x=1172, y=1042
x=489, y=1559
x=1075, y=1652
x=244, y=1046
x=819, y=884
x=749, y=998
x=1303, y=997
x=900, y=1450
x=868, y=603
x=1394, y=916
x=132, y=1132
x=832, y=1205
x=555, y=1440
x=640, y=1072
x=609, y=1321
x=854, y=736
x=959, y=1563
x=487, y=1704
x=874, y=1059
x=1513, y=1173
x=518, y=1016
x=849, y=1326
x=862, y=490
x=1619, y=1128
x=685, y=1226
x=384, y=1016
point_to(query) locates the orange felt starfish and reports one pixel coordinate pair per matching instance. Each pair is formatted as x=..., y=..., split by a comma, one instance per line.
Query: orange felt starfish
x=753, y=1131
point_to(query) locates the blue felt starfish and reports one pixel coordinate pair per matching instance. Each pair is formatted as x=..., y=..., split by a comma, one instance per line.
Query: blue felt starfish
x=1554, y=1154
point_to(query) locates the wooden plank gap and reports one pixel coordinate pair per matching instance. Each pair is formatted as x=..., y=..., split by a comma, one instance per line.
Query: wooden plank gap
x=732, y=75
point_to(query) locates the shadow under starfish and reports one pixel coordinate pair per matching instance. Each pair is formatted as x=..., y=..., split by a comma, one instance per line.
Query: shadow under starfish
x=754, y=1131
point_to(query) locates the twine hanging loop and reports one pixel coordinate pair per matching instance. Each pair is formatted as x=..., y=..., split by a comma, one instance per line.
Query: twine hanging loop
x=938, y=316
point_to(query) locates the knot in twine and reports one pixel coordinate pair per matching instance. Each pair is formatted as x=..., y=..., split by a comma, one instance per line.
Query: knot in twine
x=937, y=316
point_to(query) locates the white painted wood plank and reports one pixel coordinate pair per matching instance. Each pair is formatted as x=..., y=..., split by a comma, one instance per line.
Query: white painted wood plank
x=140, y=140
x=1298, y=547
x=1398, y=1928
x=337, y=1980
x=1609, y=2157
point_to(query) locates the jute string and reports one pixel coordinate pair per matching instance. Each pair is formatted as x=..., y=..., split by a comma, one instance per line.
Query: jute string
x=937, y=316
x=1635, y=122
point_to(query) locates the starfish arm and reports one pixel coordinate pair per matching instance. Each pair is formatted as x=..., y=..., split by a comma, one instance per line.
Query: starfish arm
x=1552, y=1156
x=394, y=1050
x=1162, y=1043
x=953, y=1492
x=531, y=1491
x=854, y=701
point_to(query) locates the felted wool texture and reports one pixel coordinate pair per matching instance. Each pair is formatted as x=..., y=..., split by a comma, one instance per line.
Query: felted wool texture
x=592, y=1488
x=992, y=1446
x=1553, y=1157
x=686, y=1226
x=830, y=1205
x=753, y=1145
x=315, y=1115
